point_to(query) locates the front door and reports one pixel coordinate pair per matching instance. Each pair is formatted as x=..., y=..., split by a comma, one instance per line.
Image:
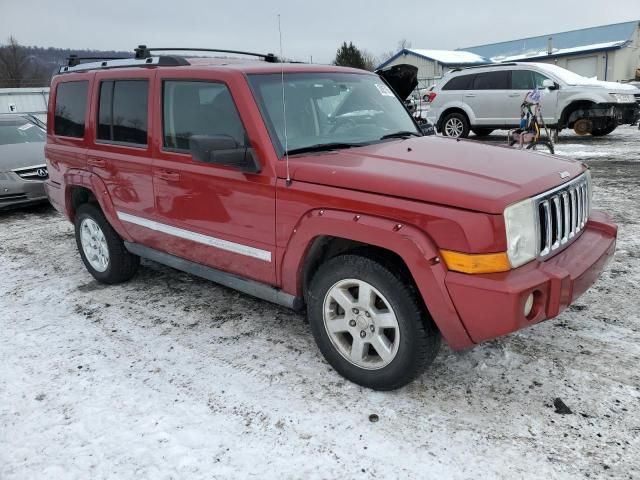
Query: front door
x=207, y=213
x=524, y=81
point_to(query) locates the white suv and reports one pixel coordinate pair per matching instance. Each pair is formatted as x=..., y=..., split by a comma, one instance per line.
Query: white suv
x=482, y=99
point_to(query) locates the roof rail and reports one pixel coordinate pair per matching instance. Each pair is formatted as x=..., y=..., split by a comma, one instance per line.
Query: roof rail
x=491, y=64
x=73, y=60
x=145, y=52
x=163, y=61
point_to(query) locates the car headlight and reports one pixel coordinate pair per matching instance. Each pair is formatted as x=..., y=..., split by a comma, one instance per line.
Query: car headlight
x=623, y=97
x=522, y=232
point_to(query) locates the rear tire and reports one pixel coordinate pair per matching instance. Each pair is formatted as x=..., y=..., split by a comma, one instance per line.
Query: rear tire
x=455, y=125
x=482, y=132
x=101, y=248
x=382, y=340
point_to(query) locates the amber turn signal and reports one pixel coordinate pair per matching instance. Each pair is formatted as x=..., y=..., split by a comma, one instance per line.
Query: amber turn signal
x=476, y=263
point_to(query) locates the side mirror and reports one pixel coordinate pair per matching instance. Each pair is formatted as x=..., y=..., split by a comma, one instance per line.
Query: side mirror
x=550, y=84
x=223, y=150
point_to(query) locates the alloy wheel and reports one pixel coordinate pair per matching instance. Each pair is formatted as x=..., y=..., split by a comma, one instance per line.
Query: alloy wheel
x=94, y=245
x=361, y=324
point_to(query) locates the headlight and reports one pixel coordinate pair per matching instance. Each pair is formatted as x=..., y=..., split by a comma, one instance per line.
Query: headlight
x=589, y=191
x=623, y=97
x=522, y=232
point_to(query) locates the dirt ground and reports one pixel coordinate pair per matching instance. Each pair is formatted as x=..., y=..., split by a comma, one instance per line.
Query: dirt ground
x=170, y=376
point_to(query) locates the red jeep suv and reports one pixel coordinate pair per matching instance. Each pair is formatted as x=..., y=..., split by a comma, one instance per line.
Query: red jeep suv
x=312, y=186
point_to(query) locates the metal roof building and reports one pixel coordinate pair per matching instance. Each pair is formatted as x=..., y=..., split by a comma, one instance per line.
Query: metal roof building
x=607, y=52
x=433, y=64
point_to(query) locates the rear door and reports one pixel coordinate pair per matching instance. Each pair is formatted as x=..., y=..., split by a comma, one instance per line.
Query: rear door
x=120, y=153
x=209, y=213
x=488, y=98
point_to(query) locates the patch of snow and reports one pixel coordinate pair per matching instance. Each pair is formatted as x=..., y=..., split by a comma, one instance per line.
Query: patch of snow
x=170, y=376
x=556, y=51
x=450, y=57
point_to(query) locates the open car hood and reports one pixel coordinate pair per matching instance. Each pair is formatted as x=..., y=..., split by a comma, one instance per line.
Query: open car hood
x=402, y=78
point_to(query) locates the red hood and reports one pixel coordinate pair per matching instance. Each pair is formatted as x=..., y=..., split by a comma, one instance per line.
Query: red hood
x=464, y=174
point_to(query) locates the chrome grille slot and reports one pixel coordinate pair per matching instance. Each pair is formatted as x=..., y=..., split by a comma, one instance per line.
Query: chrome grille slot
x=35, y=172
x=562, y=214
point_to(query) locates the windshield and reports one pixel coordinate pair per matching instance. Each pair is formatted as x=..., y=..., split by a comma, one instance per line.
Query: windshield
x=337, y=110
x=19, y=130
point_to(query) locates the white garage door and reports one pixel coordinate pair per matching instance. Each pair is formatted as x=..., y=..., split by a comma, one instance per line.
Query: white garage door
x=586, y=66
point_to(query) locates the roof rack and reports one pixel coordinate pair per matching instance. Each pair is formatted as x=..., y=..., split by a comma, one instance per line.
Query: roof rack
x=162, y=61
x=145, y=52
x=144, y=58
x=490, y=64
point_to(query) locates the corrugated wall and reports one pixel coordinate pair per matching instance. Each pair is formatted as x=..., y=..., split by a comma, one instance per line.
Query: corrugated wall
x=25, y=100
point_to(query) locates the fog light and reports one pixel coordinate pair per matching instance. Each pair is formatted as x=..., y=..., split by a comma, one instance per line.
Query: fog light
x=528, y=305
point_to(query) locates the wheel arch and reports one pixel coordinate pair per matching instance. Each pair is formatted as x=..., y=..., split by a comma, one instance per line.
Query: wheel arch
x=565, y=116
x=408, y=249
x=85, y=187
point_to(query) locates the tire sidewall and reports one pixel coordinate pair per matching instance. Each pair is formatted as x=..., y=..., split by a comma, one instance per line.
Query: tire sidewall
x=407, y=355
x=462, y=118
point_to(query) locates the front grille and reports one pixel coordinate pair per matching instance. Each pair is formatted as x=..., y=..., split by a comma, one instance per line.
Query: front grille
x=35, y=172
x=562, y=215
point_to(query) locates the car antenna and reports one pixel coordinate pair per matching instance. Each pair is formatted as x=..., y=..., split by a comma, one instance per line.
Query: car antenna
x=284, y=108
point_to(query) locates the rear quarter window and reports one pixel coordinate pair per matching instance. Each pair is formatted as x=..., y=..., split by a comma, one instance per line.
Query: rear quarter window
x=71, y=104
x=463, y=82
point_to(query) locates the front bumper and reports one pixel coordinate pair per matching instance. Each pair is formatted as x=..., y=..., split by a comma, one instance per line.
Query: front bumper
x=16, y=192
x=492, y=305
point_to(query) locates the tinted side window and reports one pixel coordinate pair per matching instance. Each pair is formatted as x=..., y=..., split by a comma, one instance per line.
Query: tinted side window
x=71, y=103
x=198, y=108
x=491, y=80
x=522, y=80
x=463, y=82
x=122, y=112
x=538, y=78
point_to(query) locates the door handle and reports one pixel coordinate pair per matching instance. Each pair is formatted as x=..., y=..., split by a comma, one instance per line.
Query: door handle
x=470, y=95
x=97, y=162
x=168, y=176
x=514, y=94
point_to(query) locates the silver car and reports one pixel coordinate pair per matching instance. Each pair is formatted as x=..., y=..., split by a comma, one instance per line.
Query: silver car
x=481, y=99
x=22, y=164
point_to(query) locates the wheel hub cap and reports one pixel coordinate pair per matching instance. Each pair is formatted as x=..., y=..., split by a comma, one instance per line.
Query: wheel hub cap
x=94, y=245
x=361, y=324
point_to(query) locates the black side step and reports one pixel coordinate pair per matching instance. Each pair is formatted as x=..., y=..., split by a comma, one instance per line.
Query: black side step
x=250, y=287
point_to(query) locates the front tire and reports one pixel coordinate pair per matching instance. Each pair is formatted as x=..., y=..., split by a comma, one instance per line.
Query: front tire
x=455, y=125
x=369, y=323
x=601, y=132
x=101, y=248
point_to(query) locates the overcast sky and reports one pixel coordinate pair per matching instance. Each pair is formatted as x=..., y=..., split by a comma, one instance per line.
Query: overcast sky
x=308, y=27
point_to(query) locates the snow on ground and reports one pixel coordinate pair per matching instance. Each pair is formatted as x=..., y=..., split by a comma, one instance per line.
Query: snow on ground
x=170, y=376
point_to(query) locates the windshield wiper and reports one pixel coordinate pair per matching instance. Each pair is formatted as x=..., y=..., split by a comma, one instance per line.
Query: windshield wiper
x=324, y=147
x=402, y=134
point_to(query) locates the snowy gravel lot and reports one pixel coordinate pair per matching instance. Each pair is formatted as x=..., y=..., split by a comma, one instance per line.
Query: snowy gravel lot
x=170, y=376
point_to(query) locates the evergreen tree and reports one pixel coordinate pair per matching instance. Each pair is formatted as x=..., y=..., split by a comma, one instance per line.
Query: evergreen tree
x=350, y=56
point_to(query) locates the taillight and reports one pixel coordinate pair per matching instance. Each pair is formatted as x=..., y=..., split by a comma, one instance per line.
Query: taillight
x=431, y=96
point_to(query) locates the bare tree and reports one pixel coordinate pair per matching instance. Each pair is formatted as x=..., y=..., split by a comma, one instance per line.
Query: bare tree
x=370, y=60
x=18, y=68
x=402, y=44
